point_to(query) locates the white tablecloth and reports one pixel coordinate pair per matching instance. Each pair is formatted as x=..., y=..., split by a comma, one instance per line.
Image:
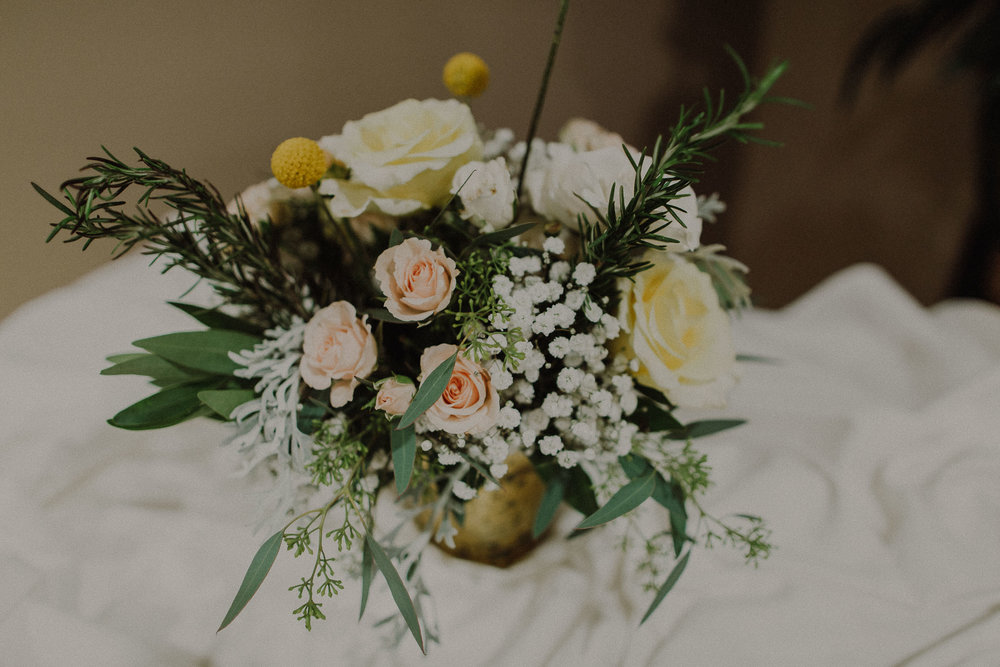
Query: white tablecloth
x=873, y=450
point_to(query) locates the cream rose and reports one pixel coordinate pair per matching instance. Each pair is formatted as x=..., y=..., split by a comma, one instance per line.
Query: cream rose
x=402, y=158
x=563, y=183
x=394, y=397
x=679, y=334
x=486, y=191
x=417, y=281
x=337, y=350
x=470, y=403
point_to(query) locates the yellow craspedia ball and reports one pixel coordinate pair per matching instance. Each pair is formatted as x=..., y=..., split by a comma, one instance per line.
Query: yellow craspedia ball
x=466, y=75
x=298, y=162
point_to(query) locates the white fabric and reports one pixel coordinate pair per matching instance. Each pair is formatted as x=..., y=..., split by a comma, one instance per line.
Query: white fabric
x=872, y=450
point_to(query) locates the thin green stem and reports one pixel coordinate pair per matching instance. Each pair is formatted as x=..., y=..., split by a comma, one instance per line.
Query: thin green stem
x=540, y=102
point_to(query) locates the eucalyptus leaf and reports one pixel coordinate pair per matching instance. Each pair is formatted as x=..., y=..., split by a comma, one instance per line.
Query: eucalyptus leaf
x=404, y=451
x=498, y=237
x=151, y=366
x=202, y=350
x=702, y=428
x=397, y=589
x=672, y=578
x=429, y=392
x=655, y=417
x=625, y=500
x=554, y=492
x=367, y=569
x=216, y=319
x=756, y=358
x=383, y=315
x=671, y=496
x=259, y=567
x=169, y=406
x=128, y=356
x=224, y=401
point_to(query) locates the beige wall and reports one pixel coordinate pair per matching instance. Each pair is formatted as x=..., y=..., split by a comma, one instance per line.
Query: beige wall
x=214, y=86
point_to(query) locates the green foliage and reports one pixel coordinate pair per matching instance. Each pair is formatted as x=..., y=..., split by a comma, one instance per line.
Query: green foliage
x=167, y=407
x=625, y=500
x=610, y=240
x=206, y=350
x=429, y=392
x=397, y=588
x=236, y=256
x=256, y=573
x=224, y=401
x=404, y=451
x=672, y=578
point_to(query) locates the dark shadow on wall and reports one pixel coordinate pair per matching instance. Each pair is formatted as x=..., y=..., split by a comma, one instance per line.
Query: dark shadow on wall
x=696, y=34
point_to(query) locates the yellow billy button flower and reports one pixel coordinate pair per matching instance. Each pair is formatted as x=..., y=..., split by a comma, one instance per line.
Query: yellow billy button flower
x=298, y=162
x=466, y=75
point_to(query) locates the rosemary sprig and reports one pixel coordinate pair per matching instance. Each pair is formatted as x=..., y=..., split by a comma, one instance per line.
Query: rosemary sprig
x=233, y=254
x=610, y=240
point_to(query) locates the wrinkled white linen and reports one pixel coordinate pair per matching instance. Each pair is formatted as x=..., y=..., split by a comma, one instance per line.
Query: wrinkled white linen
x=872, y=449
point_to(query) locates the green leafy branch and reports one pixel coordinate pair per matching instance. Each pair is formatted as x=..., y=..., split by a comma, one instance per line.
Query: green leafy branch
x=611, y=239
x=229, y=251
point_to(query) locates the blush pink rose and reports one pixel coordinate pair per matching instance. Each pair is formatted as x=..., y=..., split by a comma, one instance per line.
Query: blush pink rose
x=417, y=281
x=394, y=396
x=338, y=349
x=470, y=403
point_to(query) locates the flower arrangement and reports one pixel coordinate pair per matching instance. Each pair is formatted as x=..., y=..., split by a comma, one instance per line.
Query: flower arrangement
x=414, y=306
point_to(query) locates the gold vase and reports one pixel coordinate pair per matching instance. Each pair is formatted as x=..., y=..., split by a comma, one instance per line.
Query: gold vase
x=497, y=526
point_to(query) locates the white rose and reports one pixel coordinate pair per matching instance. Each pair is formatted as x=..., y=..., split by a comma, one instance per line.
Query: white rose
x=270, y=200
x=486, y=191
x=402, y=158
x=677, y=331
x=562, y=182
x=586, y=135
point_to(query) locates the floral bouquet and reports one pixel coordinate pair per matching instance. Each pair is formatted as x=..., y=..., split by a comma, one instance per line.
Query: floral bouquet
x=424, y=313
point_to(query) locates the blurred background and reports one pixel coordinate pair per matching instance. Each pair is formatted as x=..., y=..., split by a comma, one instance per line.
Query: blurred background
x=213, y=87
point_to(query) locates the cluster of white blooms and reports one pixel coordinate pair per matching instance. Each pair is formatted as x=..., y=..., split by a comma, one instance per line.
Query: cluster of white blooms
x=567, y=397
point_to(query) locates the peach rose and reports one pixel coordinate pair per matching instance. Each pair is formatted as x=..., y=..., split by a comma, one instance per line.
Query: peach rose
x=416, y=280
x=338, y=349
x=394, y=396
x=469, y=403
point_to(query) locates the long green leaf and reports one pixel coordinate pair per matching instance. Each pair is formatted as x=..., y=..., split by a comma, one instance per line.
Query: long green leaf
x=224, y=401
x=383, y=315
x=495, y=238
x=702, y=428
x=397, y=588
x=259, y=567
x=672, y=578
x=655, y=417
x=152, y=366
x=625, y=500
x=202, y=350
x=367, y=567
x=216, y=319
x=167, y=407
x=404, y=451
x=668, y=494
x=429, y=392
x=671, y=496
x=554, y=492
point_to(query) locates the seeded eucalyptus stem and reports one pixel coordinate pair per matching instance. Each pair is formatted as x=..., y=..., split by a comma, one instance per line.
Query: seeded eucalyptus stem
x=540, y=102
